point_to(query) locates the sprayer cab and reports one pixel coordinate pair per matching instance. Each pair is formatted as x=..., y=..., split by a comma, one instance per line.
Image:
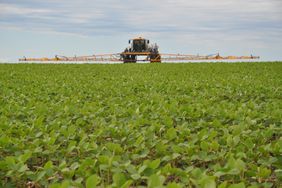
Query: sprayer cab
x=139, y=45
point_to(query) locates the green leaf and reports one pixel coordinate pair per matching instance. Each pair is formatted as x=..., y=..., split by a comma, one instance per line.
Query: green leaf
x=197, y=173
x=40, y=175
x=119, y=179
x=238, y=185
x=92, y=181
x=23, y=168
x=48, y=165
x=65, y=184
x=135, y=176
x=240, y=165
x=223, y=185
x=74, y=166
x=155, y=181
x=142, y=168
x=139, y=140
x=154, y=164
x=23, y=158
x=204, y=146
x=263, y=172
x=173, y=185
x=208, y=182
x=114, y=147
x=235, y=166
x=127, y=184
x=236, y=140
x=171, y=133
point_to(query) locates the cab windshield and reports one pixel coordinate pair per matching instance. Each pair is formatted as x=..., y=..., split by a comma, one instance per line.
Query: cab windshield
x=139, y=45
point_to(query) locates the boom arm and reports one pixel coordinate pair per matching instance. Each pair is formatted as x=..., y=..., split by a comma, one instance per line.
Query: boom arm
x=181, y=57
x=118, y=57
x=103, y=57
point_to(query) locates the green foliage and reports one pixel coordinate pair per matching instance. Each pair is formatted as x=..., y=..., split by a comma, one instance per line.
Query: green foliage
x=237, y=185
x=155, y=181
x=138, y=125
x=92, y=181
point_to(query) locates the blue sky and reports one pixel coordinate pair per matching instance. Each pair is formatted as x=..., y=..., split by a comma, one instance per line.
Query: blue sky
x=36, y=28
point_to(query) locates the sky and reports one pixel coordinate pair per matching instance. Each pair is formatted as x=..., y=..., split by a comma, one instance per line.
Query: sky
x=44, y=28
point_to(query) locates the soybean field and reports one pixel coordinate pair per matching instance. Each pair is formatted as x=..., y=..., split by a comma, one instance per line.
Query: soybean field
x=141, y=125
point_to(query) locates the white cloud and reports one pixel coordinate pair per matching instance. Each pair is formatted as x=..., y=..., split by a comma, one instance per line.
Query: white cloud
x=10, y=9
x=97, y=17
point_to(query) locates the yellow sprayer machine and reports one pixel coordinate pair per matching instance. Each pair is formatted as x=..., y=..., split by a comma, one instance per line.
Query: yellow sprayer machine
x=138, y=47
